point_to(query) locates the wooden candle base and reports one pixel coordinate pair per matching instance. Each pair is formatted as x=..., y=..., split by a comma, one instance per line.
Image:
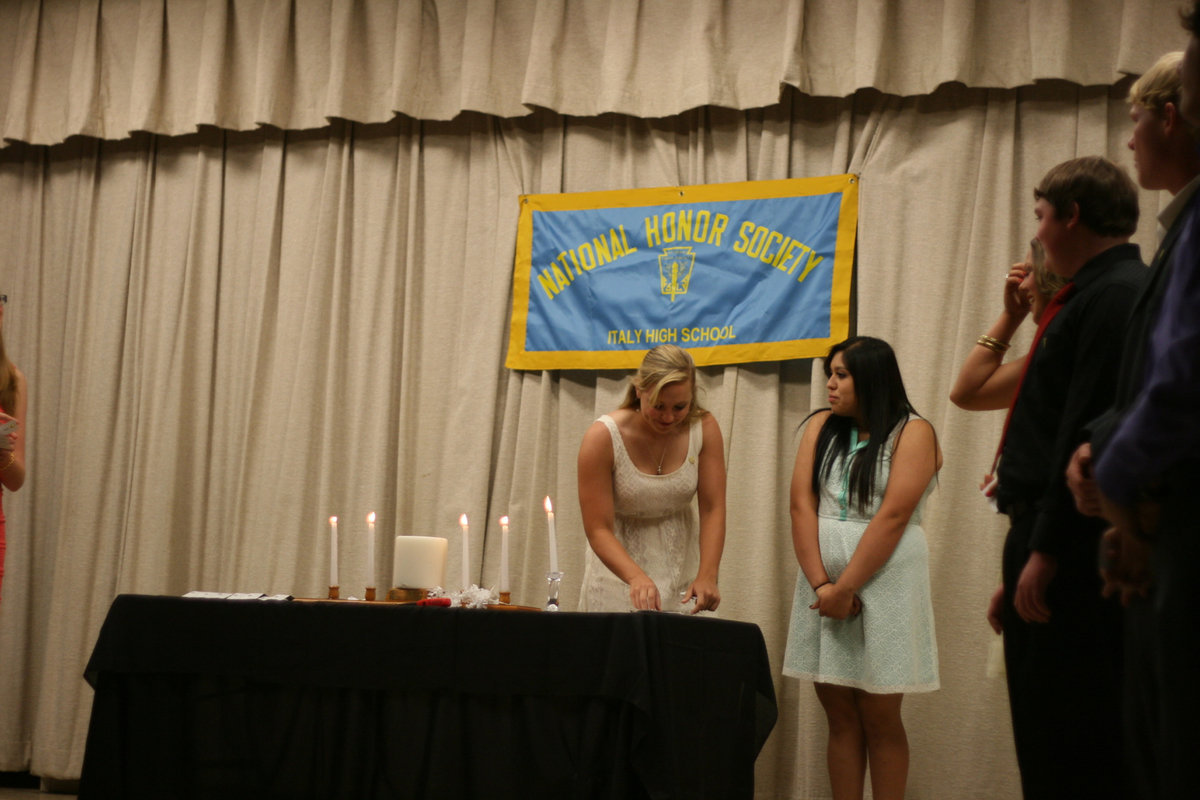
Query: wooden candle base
x=406, y=595
x=370, y=593
x=506, y=597
x=333, y=593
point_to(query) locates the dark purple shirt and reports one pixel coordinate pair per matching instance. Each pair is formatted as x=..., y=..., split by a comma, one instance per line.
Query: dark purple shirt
x=1162, y=427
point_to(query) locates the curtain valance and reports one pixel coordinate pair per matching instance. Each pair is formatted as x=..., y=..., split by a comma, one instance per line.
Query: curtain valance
x=106, y=68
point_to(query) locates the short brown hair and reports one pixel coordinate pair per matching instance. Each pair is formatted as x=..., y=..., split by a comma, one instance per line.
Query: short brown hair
x=1105, y=194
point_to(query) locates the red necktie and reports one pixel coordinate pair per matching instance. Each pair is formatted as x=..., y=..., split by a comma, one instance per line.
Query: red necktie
x=1055, y=305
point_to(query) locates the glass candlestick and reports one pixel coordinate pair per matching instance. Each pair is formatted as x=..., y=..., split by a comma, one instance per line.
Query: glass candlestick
x=553, y=579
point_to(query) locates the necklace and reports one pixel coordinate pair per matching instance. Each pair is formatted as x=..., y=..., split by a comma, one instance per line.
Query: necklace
x=661, y=457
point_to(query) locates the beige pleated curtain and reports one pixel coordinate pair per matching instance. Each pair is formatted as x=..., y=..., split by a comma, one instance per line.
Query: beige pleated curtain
x=258, y=256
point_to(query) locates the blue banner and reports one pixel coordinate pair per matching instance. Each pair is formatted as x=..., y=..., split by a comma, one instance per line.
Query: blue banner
x=732, y=272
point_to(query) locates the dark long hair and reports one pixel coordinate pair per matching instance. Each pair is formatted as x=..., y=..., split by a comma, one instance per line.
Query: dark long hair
x=882, y=403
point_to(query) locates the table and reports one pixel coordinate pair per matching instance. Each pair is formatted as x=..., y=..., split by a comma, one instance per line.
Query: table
x=200, y=698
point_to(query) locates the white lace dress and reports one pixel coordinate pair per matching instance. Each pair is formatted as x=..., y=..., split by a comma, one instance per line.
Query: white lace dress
x=889, y=647
x=654, y=520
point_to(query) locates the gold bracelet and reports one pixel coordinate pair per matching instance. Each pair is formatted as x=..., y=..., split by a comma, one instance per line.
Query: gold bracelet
x=995, y=345
x=12, y=456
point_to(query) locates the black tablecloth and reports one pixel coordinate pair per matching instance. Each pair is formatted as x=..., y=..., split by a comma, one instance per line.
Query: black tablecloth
x=198, y=698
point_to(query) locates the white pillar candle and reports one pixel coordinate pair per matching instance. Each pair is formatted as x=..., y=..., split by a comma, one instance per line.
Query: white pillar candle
x=504, y=554
x=371, y=550
x=419, y=562
x=553, y=540
x=333, y=544
x=466, y=551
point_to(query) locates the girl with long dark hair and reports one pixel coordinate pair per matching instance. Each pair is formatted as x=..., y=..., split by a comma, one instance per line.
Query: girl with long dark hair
x=862, y=619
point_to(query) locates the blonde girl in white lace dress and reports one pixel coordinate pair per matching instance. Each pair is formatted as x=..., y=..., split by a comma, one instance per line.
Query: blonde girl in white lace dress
x=862, y=619
x=639, y=468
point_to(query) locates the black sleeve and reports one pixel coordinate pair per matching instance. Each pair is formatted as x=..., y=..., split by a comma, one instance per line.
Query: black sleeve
x=1098, y=341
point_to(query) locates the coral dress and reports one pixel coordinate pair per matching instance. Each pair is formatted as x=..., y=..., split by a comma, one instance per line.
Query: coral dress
x=1, y=537
x=655, y=522
x=2, y=531
x=889, y=647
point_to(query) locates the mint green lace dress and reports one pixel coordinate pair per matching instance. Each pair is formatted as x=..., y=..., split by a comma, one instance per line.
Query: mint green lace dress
x=890, y=647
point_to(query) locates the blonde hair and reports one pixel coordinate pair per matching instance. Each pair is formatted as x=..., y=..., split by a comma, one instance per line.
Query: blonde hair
x=1159, y=85
x=1045, y=282
x=663, y=366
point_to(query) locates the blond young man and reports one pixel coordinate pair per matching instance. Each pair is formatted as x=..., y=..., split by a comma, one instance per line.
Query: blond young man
x=1145, y=450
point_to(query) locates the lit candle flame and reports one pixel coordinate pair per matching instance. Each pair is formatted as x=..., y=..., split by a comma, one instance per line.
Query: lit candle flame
x=333, y=520
x=462, y=520
x=371, y=518
x=548, y=506
x=504, y=520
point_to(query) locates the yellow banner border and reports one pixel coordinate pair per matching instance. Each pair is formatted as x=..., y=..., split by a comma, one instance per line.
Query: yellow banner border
x=706, y=355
